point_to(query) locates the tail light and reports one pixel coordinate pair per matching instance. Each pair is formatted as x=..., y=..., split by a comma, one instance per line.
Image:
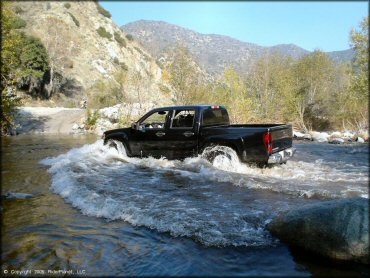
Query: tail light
x=268, y=142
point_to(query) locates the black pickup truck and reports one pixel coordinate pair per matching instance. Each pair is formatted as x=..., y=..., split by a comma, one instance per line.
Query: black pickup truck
x=182, y=131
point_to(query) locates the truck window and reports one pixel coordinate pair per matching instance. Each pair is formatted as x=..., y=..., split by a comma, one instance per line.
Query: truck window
x=155, y=120
x=215, y=117
x=183, y=119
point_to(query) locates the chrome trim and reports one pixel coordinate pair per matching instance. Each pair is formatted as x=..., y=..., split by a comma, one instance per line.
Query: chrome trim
x=282, y=156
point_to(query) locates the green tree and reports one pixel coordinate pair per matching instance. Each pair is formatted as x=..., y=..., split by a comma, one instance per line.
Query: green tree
x=10, y=50
x=313, y=77
x=359, y=81
x=34, y=58
x=182, y=75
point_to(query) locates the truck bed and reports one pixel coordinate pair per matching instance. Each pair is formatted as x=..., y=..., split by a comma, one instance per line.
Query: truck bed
x=248, y=139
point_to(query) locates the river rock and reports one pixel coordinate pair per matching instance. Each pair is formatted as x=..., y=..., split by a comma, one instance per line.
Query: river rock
x=337, y=229
x=320, y=136
x=336, y=141
x=360, y=140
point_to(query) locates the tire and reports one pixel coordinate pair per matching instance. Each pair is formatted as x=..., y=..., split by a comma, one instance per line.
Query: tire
x=111, y=144
x=211, y=152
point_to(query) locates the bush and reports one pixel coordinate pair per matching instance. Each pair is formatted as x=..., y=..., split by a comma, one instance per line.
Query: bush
x=124, y=66
x=67, y=5
x=121, y=41
x=104, y=33
x=116, y=61
x=18, y=10
x=159, y=64
x=92, y=118
x=138, y=50
x=129, y=37
x=103, y=11
x=18, y=23
x=74, y=19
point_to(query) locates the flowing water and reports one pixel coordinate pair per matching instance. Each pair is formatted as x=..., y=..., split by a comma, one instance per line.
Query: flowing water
x=69, y=202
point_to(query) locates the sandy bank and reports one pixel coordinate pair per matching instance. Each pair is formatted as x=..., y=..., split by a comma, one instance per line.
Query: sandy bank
x=48, y=120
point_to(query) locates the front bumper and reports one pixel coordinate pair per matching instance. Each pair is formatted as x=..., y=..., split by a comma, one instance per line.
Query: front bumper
x=282, y=156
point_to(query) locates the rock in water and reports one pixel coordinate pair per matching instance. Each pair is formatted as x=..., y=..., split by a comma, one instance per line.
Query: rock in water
x=337, y=229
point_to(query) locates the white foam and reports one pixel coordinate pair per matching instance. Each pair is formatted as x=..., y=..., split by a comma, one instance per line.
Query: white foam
x=181, y=197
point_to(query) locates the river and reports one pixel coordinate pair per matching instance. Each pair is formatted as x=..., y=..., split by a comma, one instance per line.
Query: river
x=70, y=203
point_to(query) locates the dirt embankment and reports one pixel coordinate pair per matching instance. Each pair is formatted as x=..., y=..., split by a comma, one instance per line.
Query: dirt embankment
x=48, y=120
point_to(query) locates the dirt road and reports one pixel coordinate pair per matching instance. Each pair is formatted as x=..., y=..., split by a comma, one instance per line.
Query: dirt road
x=48, y=120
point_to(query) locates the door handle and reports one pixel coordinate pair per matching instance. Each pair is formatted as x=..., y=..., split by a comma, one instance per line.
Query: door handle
x=160, y=133
x=188, y=133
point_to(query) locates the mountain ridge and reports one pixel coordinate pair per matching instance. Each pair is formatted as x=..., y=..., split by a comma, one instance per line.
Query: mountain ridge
x=213, y=51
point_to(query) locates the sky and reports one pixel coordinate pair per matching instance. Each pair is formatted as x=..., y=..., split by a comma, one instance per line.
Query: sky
x=311, y=25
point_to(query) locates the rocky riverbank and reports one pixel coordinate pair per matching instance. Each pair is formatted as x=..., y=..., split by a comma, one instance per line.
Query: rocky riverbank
x=74, y=120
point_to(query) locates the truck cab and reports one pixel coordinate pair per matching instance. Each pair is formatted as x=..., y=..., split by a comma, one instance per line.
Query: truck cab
x=178, y=132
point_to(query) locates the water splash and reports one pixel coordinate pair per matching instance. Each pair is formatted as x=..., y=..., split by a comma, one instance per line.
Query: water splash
x=221, y=203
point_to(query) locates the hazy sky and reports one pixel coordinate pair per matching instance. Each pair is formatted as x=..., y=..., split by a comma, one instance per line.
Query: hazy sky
x=311, y=25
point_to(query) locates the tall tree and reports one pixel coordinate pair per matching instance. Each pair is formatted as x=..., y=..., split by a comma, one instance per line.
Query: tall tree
x=61, y=44
x=182, y=75
x=359, y=39
x=313, y=77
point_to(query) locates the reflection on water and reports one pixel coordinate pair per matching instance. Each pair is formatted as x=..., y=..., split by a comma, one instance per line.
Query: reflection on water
x=106, y=213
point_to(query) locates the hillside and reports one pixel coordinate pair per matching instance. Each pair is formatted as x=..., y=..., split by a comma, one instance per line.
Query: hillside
x=213, y=52
x=90, y=47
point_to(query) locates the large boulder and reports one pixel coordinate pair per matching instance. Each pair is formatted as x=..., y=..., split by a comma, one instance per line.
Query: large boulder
x=337, y=229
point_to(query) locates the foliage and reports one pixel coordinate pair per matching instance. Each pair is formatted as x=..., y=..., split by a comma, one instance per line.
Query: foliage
x=121, y=41
x=104, y=33
x=138, y=50
x=129, y=37
x=74, y=19
x=22, y=56
x=9, y=102
x=18, y=10
x=18, y=23
x=92, y=118
x=104, y=94
x=67, y=5
x=103, y=11
x=34, y=58
x=61, y=44
x=123, y=66
x=359, y=75
x=181, y=76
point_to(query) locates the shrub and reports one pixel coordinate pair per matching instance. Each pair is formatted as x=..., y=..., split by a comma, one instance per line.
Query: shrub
x=138, y=50
x=74, y=19
x=92, y=118
x=124, y=66
x=104, y=33
x=18, y=23
x=159, y=64
x=121, y=41
x=34, y=55
x=129, y=37
x=18, y=10
x=103, y=11
x=67, y=5
x=116, y=61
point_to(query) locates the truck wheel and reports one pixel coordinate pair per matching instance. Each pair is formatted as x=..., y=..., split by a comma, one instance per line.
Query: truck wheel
x=211, y=152
x=111, y=144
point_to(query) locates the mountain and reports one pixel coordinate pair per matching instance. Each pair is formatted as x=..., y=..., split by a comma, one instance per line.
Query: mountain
x=213, y=52
x=87, y=47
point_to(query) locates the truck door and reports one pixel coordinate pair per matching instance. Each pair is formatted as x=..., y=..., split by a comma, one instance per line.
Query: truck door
x=182, y=137
x=152, y=136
